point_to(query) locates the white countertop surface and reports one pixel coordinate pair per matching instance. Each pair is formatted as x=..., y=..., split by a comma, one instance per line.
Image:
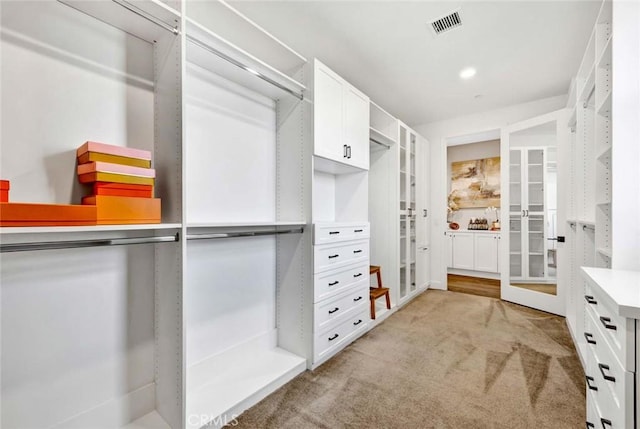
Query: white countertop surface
x=623, y=287
x=481, y=231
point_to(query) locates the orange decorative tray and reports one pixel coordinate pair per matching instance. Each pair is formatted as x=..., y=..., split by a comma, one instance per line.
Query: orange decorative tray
x=32, y=214
x=124, y=210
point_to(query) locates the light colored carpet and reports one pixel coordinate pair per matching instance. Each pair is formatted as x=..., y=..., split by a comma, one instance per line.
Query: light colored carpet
x=447, y=360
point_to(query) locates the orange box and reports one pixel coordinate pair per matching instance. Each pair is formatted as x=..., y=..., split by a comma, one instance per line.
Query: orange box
x=31, y=214
x=124, y=210
x=4, y=196
x=4, y=185
x=114, y=159
x=122, y=190
x=115, y=178
x=110, y=149
x=108, y=167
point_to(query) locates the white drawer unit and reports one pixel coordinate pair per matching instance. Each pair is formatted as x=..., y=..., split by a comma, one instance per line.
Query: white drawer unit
x=332, y=256
x=332, y=309
x=330, y=283
x=332, y=338
x=612, y=310
x=324, y=233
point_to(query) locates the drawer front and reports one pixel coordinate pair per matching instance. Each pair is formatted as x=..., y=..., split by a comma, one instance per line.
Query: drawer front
x=618, y=332
x=330, y=283
x=615, y=387
x=593, y=413
x=333, y=233
x=331, y=310
x=332, y=338
x=329, y=256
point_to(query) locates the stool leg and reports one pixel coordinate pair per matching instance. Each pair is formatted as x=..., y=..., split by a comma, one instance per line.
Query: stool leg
x=379, y=277
x=386, y=295
x=373, y=308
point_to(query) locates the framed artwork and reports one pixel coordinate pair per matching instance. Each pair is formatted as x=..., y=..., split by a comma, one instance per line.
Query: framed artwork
x=475, y=183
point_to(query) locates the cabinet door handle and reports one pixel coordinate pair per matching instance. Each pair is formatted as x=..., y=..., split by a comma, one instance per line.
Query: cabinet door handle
x=333, y=337
x=333, y=256
x=522, y=213
x=605, y=322
x=357, y=251
x=425, y=212
x=357, y=299
x=349, y=152
x=605, y=423
x=589, y=338
x=334, y=283
x=334, y=310
x=604, y=368
x=589, y=380
x=590, y=299
x=357, y=275
x=357, y=323
x=344, y=150
x=334, y=232
x=358, y=230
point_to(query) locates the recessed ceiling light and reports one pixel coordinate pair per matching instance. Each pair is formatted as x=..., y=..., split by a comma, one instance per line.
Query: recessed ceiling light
x=468, y=73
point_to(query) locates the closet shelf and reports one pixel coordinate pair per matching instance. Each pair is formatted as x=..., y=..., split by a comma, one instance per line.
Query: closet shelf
x=604, y=60
x=213, y=53
x=605, y=154
x=573, y=118
x=604, y=109
x=149, y=20
x=381, y=138
x=38, y=230
x=603, y=203
x=589, y=85
x=605, y=251
x=153, y=420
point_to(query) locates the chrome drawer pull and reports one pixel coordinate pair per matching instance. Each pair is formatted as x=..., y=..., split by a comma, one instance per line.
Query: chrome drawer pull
x=334, y=283
x=333, y=256
x=334, y=310
x=589, y=338
x=357, y=251
x=358, y=230
x=334, y=337
x=605, y=322
x=357, y=323
x=606, y=423
x=590, y=425
x=604, y=367
x=357, y=275
x=590, y=299
x=357, y=299
x=334, y=232
x=589, y=380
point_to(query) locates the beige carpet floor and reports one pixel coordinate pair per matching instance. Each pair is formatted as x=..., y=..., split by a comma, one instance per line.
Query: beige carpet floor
x=447, y=360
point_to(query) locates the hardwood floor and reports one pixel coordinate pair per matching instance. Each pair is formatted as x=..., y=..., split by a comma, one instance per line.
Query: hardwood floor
x=549, y=288
x=473, y=285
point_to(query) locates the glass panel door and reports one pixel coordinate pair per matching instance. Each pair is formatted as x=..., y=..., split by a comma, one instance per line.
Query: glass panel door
x=411, y=179
x=405, y=227
x=515, y=245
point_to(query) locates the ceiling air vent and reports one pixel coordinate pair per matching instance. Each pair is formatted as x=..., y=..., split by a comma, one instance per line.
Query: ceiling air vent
x=446, y=23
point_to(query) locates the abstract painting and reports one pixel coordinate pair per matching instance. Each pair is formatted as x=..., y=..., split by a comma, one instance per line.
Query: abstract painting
x=475, y=183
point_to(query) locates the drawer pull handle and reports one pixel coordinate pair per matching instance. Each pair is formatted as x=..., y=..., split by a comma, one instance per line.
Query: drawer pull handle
x=606, y=422
x=334, y=232
x=605, y=322
x=590, y=425
x=357, y=251
x=589, y=338
x=333, y=256
x=357, y=275
x=334, y=337
x=358, y=230
x=604, y=367
x=357, y=299
x=590, y=299
x=589, y=380
x=334, y=310
x=334, y=283
x=357, y=323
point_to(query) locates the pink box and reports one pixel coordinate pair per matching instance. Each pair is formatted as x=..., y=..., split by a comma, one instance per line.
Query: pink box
x=113, y=150
x=107, y=167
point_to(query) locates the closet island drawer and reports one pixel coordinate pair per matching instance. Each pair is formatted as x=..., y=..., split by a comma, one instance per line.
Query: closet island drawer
x=329, y=256
x=332, y=338
x=618, y=331
x=332, y=309
x=324, y=233
x=330, y=283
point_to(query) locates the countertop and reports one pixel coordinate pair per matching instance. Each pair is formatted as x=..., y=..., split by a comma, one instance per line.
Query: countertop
x=622, y=287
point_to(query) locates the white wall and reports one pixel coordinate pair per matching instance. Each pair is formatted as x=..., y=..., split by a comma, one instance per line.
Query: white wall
x=437, y=133
x=465, y=152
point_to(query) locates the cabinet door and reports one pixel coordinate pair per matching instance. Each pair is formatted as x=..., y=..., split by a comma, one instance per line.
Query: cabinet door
x=486, y=252
x=463, y=251
x=449, y=250
x=328, y=115
x=356, y=127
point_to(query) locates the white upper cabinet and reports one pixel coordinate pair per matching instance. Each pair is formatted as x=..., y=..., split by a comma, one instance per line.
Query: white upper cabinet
x=341, y=119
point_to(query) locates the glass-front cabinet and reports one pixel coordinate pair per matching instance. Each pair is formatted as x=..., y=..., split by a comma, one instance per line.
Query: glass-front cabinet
x=407, y=214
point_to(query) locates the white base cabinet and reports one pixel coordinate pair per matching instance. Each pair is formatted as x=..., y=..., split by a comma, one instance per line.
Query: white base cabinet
x=474, y=251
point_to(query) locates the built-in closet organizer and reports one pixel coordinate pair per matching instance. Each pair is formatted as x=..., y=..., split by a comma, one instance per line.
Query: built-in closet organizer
x=339, y=187
x=91, y=316
x=245, y=215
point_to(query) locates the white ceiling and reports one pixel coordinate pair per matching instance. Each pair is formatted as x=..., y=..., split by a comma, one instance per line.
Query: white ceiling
x=522, y=50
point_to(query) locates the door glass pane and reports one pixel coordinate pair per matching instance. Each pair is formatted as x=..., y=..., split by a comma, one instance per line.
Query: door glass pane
x=515, y=182
x=536, y=170
x=412, y=172
x=515, y=246
x=404, y=235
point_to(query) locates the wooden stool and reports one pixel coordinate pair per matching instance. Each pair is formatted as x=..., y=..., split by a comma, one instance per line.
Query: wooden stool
x=377, y=292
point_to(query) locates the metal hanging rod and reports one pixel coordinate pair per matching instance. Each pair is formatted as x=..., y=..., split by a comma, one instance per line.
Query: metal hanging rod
x=72, y=244
x=234, y=234
x=132, y=8
x=380, y=143
x=242, y=66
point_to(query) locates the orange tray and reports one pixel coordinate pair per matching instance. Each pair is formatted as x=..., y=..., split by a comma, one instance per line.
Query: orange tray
x=32, y=214
x=114, y=159
x=113, y=210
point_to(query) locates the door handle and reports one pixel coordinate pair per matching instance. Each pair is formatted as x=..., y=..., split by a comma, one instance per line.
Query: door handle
x=425, y=212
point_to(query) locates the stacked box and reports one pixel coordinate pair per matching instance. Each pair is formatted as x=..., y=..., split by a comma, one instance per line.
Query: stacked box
x=4, y=191
x=122, y=180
